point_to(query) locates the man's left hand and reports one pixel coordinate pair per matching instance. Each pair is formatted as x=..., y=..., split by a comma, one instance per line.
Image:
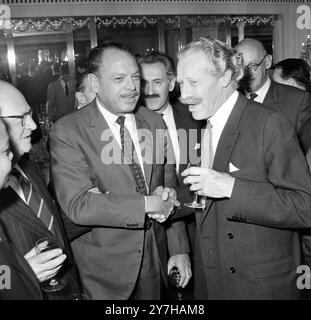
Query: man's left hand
x=183, y=264
x=208, y=182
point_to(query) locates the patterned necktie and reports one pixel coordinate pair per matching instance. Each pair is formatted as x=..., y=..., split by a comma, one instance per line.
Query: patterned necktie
x=130, y=156
x=34, y=200
x=253, y=96
x=207, y=152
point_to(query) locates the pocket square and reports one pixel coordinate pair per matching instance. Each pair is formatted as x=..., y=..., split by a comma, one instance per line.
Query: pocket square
x=232, y=168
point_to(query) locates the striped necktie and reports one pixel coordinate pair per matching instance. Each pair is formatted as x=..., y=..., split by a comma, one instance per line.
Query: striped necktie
x=130, y=156
x=34, y=200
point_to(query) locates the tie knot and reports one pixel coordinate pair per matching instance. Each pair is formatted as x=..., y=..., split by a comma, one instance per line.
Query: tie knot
x=120, y=120
x=253, y=96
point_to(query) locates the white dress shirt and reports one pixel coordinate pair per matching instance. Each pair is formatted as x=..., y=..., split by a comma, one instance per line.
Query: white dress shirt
x=220, y=118
x=169, y=120
x=261, y=93
x=129, y=123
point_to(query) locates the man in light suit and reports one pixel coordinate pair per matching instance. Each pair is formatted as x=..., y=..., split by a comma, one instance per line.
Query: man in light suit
x=256, y=84
x=60, y=95
x=124, y=256
x=255, y=179
x=158, y=81
x=24, y=218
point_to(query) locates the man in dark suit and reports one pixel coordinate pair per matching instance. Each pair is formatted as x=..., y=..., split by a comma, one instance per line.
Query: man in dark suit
x=124, y=256
x=18, y=281
x=158, y=81
x=60, y=95
x=293, y=102
x=255, y=179
x=27, y=210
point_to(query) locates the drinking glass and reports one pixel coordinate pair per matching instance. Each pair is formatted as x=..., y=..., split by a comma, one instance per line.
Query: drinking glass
x=196, y=204
x=57, y=282
x=174, y=279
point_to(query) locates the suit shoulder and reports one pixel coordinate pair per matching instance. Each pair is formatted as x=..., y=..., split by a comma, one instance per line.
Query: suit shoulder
x=287, y=90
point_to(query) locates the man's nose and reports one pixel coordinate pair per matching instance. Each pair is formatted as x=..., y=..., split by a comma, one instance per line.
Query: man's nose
x=30, y=124
x=130, y=84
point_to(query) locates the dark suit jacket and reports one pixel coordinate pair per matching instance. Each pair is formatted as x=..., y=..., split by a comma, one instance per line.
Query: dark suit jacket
x=23, y=282
x=109, y=256
x=293, y=102
x=249, y=246
x=25, y=228
x=58, y=103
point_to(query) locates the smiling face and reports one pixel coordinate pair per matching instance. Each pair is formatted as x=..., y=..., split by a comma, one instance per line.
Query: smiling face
x=156, y=85
x=15, y=104
x=5, y=157
x=200, y=89
x=117, y=81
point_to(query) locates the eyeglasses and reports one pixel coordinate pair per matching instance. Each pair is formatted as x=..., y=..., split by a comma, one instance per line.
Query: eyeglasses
x=24, y=117
x=254, y=66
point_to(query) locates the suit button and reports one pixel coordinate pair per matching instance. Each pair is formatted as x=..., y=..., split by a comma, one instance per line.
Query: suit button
x=232, y=270
x=139, y=251
x=230, y=235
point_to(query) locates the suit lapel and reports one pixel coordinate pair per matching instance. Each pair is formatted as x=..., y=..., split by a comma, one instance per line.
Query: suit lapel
x=98, y=126
x=272, y=98
x=227, y=142
x=17, y=209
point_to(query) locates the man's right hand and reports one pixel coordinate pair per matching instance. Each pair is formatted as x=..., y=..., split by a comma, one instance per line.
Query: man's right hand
x=161, y=203
x=45, y=265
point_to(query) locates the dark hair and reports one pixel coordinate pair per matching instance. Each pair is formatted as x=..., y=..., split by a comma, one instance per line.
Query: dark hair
x=80, y=79
x=297, y=69
x=95, y=54
x=156, y=56
x=64, y=68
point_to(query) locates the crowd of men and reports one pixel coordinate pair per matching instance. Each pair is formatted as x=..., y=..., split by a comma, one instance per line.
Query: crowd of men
x=125, y=163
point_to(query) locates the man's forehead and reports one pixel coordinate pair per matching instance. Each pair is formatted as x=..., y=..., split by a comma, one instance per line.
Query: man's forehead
x=151, y=69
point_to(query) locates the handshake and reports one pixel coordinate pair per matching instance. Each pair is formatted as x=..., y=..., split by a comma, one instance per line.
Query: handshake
x=160, y=204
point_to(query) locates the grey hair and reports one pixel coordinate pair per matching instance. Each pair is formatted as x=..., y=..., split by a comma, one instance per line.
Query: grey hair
x=221, y=57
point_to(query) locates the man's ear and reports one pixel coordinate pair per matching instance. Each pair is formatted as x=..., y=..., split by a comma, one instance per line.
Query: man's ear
x=94, y=82
x=226, y=78
x=172, y=82
x=80, y=98
x=268, y=61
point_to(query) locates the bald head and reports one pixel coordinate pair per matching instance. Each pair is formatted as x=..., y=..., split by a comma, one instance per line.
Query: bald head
x=257, y=61
x=13, y=107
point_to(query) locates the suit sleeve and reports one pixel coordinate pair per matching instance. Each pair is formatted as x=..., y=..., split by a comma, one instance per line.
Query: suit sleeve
x=177, y=237
x=283, y=199
x=71, y=177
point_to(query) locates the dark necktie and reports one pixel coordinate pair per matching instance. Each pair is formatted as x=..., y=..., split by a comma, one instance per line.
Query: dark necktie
x=66, y=89
x=34, y=200
x=130, y=156
x=207, y=153
x=253, y=96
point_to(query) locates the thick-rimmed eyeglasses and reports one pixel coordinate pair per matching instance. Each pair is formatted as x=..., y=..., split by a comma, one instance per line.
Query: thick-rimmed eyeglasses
x=254, y=66
x=24, y=117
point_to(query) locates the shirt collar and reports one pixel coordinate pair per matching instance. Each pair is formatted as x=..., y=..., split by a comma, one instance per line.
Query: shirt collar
x=261, y=93
x=222, y=114
x=110, y=117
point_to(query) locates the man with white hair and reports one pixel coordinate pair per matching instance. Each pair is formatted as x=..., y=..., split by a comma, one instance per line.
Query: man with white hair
x=254, y=177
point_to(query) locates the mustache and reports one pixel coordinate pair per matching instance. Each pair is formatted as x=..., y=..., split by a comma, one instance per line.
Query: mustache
x=191, y=100
x=130, y=95
x=150, y=96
